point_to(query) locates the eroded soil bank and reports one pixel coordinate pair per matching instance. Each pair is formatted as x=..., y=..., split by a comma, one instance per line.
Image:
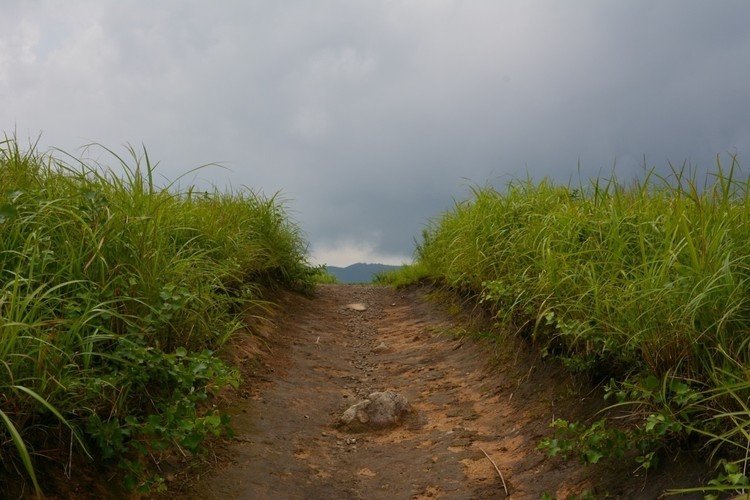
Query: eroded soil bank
x=472, y=400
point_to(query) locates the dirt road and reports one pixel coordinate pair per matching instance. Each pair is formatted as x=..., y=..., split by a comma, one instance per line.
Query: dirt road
x=467, y=400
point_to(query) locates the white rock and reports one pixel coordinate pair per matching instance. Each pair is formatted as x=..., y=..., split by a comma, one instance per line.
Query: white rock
x=379, y=410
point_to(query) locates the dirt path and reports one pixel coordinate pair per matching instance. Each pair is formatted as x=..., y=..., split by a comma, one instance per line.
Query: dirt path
x=286, y=445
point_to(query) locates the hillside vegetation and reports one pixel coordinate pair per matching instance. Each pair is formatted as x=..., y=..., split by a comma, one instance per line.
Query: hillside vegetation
x=644, y=286
x=114, y=295
x=359, y=272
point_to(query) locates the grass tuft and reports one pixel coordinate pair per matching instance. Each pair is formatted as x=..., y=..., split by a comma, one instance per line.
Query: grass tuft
x=114, y=294
x=646, y=283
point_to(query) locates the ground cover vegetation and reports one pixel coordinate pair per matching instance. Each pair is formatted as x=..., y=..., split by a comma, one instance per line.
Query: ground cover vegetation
x=115, y=294
x=644, y=286
x=321, y=276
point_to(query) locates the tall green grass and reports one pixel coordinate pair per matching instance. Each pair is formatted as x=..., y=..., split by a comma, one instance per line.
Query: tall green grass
x=647, y=283
x=114, y=294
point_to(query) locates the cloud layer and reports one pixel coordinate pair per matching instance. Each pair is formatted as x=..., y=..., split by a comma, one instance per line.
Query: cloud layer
x=372, y=116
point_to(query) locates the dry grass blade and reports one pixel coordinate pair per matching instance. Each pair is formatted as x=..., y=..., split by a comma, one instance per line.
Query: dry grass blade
x=505, y=487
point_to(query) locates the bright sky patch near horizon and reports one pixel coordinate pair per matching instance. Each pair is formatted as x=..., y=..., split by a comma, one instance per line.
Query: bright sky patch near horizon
x=372, y=117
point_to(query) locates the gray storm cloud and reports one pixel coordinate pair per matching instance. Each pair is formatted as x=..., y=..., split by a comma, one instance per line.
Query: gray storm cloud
x=372, y=116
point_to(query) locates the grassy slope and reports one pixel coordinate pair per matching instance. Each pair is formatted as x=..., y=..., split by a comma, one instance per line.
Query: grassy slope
x=648, y=284
x=113, y=295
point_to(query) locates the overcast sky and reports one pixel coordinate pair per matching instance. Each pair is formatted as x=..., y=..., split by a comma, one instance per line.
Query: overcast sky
x=371, y=117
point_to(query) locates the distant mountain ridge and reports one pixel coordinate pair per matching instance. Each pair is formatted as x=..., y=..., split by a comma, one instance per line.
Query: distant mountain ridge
x=359, y=272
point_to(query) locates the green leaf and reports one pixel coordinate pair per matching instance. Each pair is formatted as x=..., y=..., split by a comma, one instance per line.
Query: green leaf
x=213, y=420
x=651, y=383
x=192, y=441
x=737, y=479
x=593, y=456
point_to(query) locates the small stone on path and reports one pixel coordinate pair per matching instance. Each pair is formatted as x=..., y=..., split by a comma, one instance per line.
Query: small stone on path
x=357, y=306
x=382, y=347
x=366, y=472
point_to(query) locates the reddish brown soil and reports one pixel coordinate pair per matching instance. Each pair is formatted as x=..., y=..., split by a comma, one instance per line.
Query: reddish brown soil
x=469, y=397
